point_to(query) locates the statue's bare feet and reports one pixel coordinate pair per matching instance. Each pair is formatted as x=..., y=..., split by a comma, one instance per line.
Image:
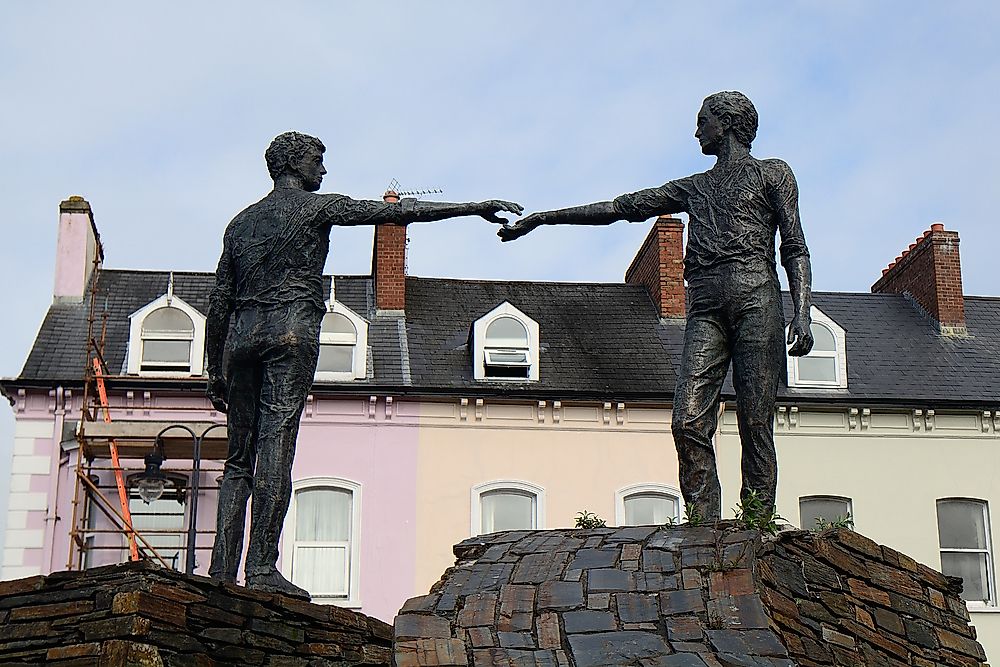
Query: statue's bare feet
x=273, y=582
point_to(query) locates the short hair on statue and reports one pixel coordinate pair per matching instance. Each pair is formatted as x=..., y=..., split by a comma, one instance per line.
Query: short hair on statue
x=286, y=148
x=740, y=111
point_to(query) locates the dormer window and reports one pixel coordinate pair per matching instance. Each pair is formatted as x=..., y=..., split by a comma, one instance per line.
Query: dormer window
x=505, y=345
x=167, y=334
x=826, y=364
x=166, y=338
x=506, y=348
x=343, y=345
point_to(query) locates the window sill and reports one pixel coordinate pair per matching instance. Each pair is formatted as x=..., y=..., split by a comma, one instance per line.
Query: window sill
x=338, y=602
x=982, y=608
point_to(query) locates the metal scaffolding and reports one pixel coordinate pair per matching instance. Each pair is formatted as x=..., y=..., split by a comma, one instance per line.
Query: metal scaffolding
x=109, y=445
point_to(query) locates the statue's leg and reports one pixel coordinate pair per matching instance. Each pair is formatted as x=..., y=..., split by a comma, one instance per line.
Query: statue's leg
x=288, y=375
x=237, y=477
x=696, y=405
x=758, y=362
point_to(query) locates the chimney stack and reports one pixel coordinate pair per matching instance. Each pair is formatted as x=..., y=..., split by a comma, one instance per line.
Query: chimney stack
x=659, y=266
x=389, y=263
x=930, y=273
x=78, y=245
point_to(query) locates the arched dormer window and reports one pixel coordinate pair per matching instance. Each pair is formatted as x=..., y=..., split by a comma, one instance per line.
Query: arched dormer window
x=166, y=338
x=826, y=364
x=343, y=345
x=505, y=345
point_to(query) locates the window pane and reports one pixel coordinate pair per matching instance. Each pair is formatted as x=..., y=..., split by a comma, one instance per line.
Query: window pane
x=337, y=323
x=166, y=351
x=173, y=320
x=321, y=570
x=961, y=524
x=646, y=509
x=506, y=332
x=817, y=369
x=162, y=514
x=828, y=510
x=335, y=358
x=323, y=515
x=972, y=568
x=507, y=510
x=823, y=340
x=507, y=357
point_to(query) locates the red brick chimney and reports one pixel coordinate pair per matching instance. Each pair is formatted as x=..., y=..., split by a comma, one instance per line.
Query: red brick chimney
x=389, y=263
x=659, y=266
x=930, y=273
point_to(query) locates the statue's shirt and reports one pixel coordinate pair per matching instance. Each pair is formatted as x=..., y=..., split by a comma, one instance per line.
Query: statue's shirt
x=274, y=251
x=734, y=213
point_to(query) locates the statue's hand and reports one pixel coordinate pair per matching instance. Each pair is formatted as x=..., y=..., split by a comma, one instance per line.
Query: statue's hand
x=488, y=210
x=800, y=336
x=217, y=392
x=521, y=227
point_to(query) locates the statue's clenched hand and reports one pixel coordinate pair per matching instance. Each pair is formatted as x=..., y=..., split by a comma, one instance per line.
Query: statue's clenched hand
x=217, y=392
x=489, y=209
x=800, y=337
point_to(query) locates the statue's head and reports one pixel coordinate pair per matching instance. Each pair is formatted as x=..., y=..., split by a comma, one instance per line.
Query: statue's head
x=722, y=113
x=298, y=155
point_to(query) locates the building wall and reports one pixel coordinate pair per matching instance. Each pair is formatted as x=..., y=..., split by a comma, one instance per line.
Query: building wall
x=418, y=461
x=580, y=454
x=893, y=464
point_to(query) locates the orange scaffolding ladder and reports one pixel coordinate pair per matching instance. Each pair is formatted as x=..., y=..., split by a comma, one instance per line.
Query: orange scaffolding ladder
x=119, y=477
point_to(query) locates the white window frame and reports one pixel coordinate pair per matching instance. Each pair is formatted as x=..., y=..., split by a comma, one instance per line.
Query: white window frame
x=133, y=360
x=480, y=349
x=991, y=588
x=647, y=488
x=839, y=355
x=359, y=370
x=826, y=496
x=353, y=599
x=514, y=485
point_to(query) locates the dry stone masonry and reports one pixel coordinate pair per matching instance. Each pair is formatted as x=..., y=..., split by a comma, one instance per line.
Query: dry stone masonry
x=685, y=597
x=139, y=614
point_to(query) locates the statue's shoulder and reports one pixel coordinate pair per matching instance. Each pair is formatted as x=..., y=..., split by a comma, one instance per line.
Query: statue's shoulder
x=774, y=165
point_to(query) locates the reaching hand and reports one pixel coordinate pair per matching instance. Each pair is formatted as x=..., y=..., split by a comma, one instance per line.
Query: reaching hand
x=489, y=210
x=520, y=227
x=217, y=392
x=800, y=337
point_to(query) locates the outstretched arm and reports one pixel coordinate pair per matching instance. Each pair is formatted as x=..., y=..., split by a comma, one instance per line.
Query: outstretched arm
x=344, y=211
x=634, y=207
x=217, y=326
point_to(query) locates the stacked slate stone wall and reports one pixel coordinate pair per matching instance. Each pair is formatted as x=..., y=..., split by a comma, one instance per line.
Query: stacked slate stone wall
x=684, y=597
x=139, y=614
x=837, y=598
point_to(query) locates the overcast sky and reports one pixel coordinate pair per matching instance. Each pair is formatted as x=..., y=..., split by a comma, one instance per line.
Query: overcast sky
x=159, y=113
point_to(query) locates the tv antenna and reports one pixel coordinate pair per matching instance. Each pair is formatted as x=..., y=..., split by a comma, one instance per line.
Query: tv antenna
x=395, y=186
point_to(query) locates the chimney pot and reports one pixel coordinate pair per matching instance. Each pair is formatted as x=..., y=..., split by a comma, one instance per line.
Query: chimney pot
x=885, y=271
x=937, y=227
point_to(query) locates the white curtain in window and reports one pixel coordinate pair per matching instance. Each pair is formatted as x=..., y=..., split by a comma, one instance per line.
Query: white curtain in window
x=822, y=509
x=321, y=559
x=507, y=510
x=649, y=509
x=965, y=548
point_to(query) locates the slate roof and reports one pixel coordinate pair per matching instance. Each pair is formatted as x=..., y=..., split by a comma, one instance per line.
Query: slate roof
x=600, y=340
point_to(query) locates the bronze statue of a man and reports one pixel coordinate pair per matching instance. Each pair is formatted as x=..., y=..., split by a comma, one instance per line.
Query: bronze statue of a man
x=269, y=284
x=734, y=300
